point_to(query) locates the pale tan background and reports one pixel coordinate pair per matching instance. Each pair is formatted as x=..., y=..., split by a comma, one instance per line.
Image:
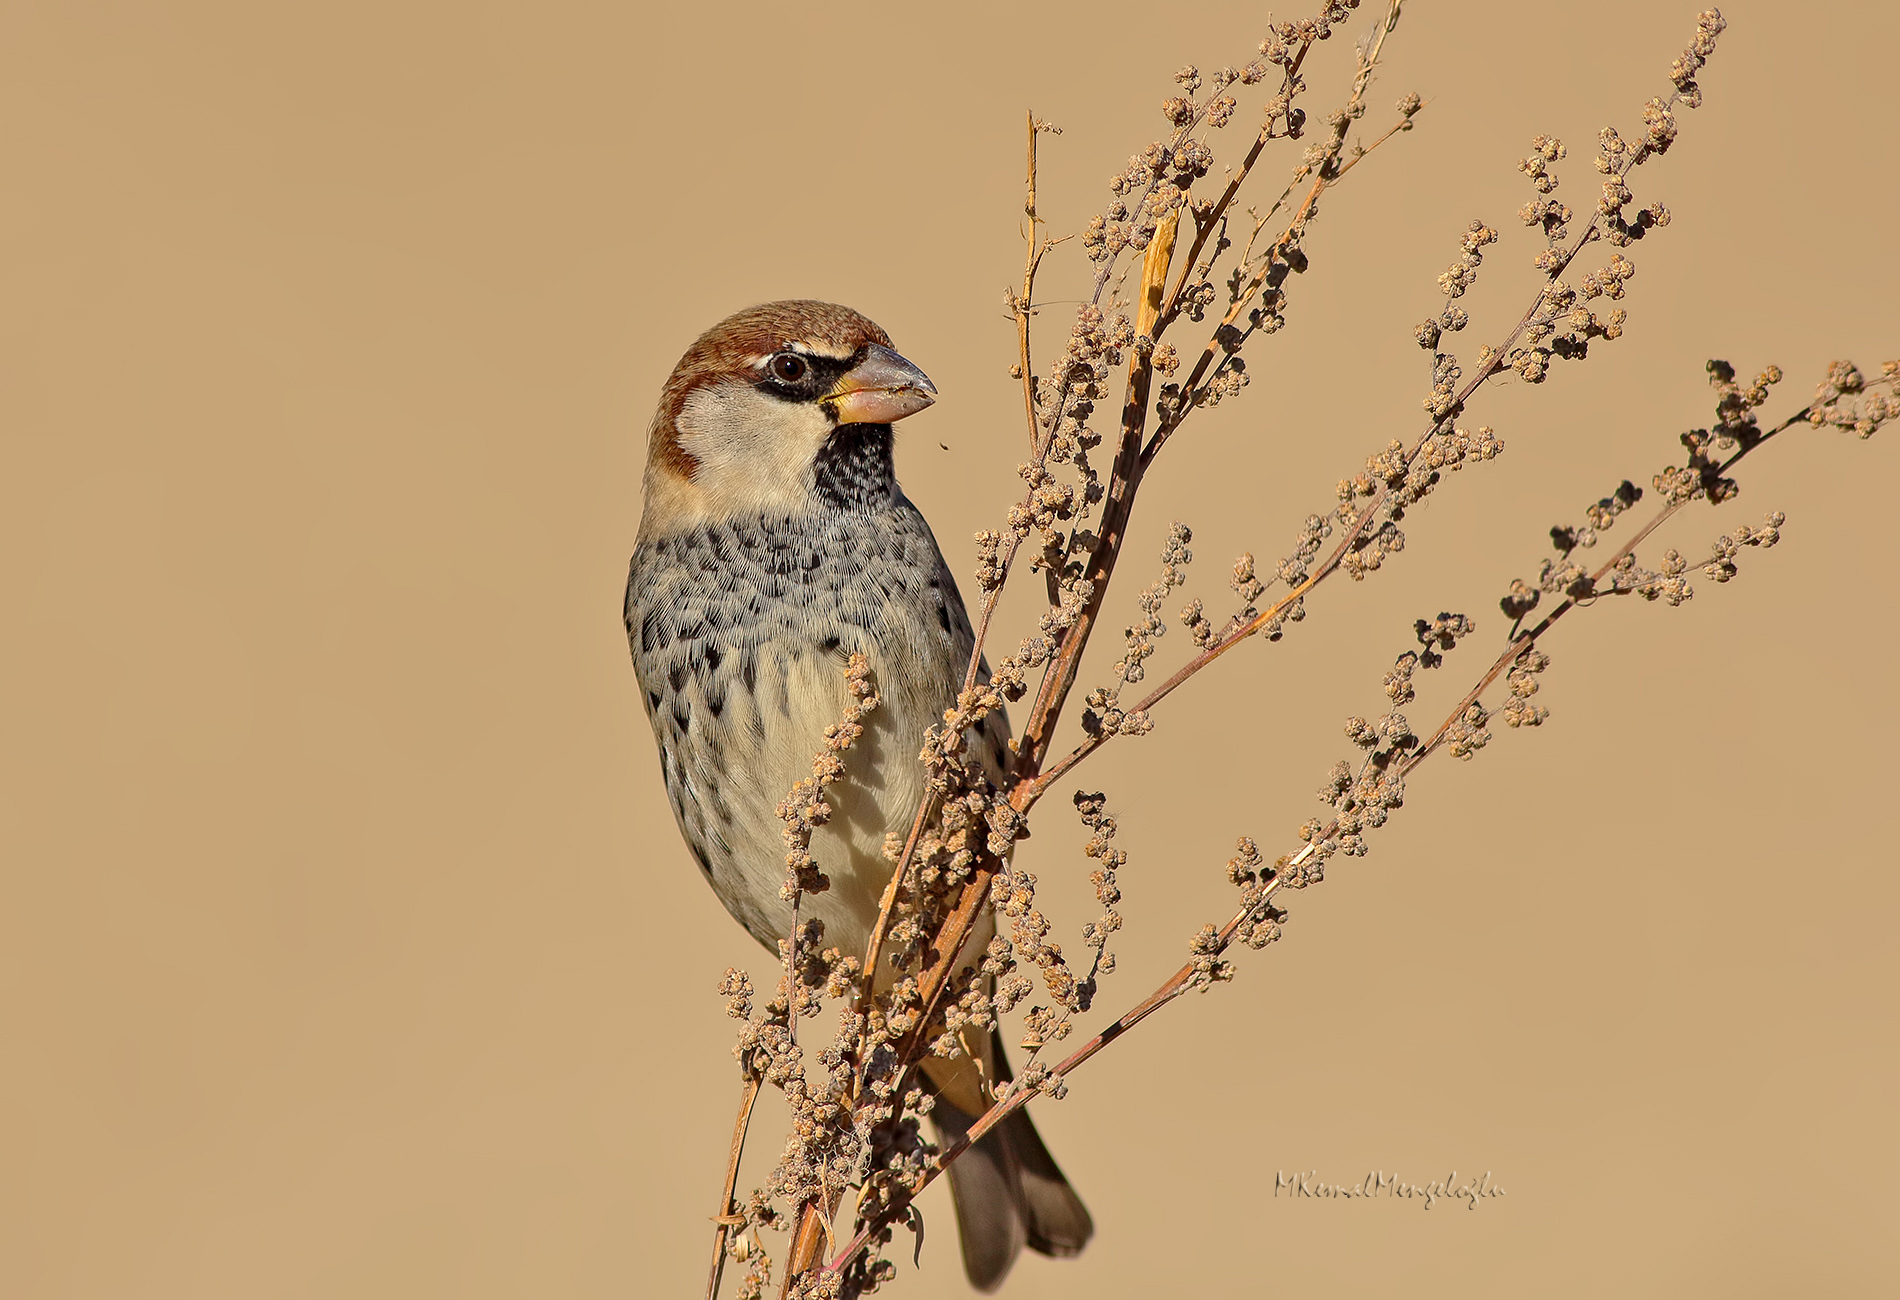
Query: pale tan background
x=347, y=947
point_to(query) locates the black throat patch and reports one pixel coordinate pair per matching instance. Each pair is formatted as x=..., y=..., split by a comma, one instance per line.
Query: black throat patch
x=853, y=470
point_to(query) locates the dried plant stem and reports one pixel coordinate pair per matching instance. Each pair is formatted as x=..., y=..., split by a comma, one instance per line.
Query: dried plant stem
x=1018, y=1097
x=1526, y=640
x=1045, y=436
x=1118, y=505
x=1039, y=445
x=1323, y=178
x=791, y=973
x=1205, y=226
x=1059, y=677
x=1225, y=202
x=814, y=1229
x=1242, y=300
x=728, y=1212
x=874, y=951
x=1366, y=151
x=1132, y=460
x=948, y=942
x=1020, y=306
x=955, y=860
x=1184, y=979
x=1025, y=795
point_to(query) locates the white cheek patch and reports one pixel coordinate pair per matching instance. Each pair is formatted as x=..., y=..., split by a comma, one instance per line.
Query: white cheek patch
x=755, y=452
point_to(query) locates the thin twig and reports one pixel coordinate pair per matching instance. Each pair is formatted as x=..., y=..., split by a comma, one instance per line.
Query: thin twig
x=1324, y=177
x=728, y=1214
x=1204, y=226
x=1523, y=641
x=1020, y=306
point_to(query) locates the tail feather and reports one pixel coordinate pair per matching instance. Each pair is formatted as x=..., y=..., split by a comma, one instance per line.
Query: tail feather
x=986, y=1191
x=1059, y=1224
x=1009, y=1193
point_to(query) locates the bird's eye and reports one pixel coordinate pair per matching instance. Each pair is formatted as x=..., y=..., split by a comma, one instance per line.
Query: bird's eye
x=788, y=367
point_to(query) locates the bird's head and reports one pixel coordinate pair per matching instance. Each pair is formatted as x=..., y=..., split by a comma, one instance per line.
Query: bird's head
x=758, y=399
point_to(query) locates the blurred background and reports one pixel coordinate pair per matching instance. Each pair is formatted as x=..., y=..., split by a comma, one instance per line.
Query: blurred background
x=348, y=947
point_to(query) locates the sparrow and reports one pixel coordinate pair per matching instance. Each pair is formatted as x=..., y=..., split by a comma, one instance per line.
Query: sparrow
x=774, y=544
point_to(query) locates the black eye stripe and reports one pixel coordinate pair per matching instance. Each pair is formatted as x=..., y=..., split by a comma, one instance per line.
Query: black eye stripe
x=821, y=374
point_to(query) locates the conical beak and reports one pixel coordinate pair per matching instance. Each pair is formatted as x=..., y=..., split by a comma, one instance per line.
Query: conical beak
x=880, y=389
